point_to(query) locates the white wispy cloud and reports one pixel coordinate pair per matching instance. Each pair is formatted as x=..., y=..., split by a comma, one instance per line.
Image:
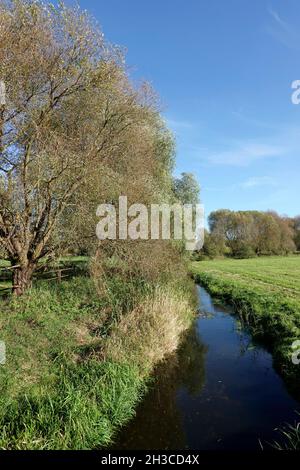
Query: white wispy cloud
x=252, y=182
x=255, y=181
x=240, y=116
x=283, y=31
x=246, y=153
x=278, y=19
x=179, y=124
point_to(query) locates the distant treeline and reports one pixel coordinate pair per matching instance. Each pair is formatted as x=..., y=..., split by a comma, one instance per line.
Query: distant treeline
x=244, y=234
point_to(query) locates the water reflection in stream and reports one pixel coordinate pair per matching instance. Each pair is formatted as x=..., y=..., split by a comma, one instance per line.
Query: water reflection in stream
x=219, y=391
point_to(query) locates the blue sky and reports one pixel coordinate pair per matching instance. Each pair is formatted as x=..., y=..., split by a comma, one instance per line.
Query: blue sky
x=223, y=70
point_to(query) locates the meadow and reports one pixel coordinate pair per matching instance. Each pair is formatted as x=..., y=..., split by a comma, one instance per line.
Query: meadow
x=266, y=294
x=276, y=274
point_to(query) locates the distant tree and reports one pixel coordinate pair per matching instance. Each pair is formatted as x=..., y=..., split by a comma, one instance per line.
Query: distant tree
x=187, y=189
x=297, y=232
x=230, y=227
x=250, y=233
x=285, y=227
x=266, y=235
x=213, y=245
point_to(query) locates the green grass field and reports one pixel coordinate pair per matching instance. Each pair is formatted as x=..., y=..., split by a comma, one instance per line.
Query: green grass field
x=279, y=275
x=266, y=294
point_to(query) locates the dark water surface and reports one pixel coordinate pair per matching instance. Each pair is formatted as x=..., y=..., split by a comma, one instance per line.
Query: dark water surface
x=219, y=391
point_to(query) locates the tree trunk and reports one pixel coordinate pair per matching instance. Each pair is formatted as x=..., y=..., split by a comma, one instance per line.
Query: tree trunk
x=22, y=279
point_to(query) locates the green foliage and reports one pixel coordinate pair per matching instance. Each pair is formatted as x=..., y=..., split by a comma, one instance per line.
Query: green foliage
x=80, y=410
x=249, y=233
x=244, y=251
x=62, y=387
x=56, y=392
x=297, y=232
x=186, y=189
x=213, y=246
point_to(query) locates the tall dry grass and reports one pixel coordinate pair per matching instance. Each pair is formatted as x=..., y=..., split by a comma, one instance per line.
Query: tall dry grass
x=151, y=331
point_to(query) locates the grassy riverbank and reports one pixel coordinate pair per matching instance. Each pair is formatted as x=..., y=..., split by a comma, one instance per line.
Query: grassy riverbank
x=77, y=364
x=266, y=294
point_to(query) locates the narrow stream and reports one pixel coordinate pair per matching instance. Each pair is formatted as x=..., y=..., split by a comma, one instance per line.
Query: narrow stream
x=219, y=391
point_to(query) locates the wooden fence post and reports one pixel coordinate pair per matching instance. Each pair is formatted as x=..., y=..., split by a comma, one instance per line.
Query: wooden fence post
x=59, y=275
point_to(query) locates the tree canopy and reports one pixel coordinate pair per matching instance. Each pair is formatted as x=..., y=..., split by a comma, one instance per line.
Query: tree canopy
x=74, y=133
x=249, y=233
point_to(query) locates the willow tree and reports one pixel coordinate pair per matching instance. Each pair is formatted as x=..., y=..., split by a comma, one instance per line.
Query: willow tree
x=66, y=108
